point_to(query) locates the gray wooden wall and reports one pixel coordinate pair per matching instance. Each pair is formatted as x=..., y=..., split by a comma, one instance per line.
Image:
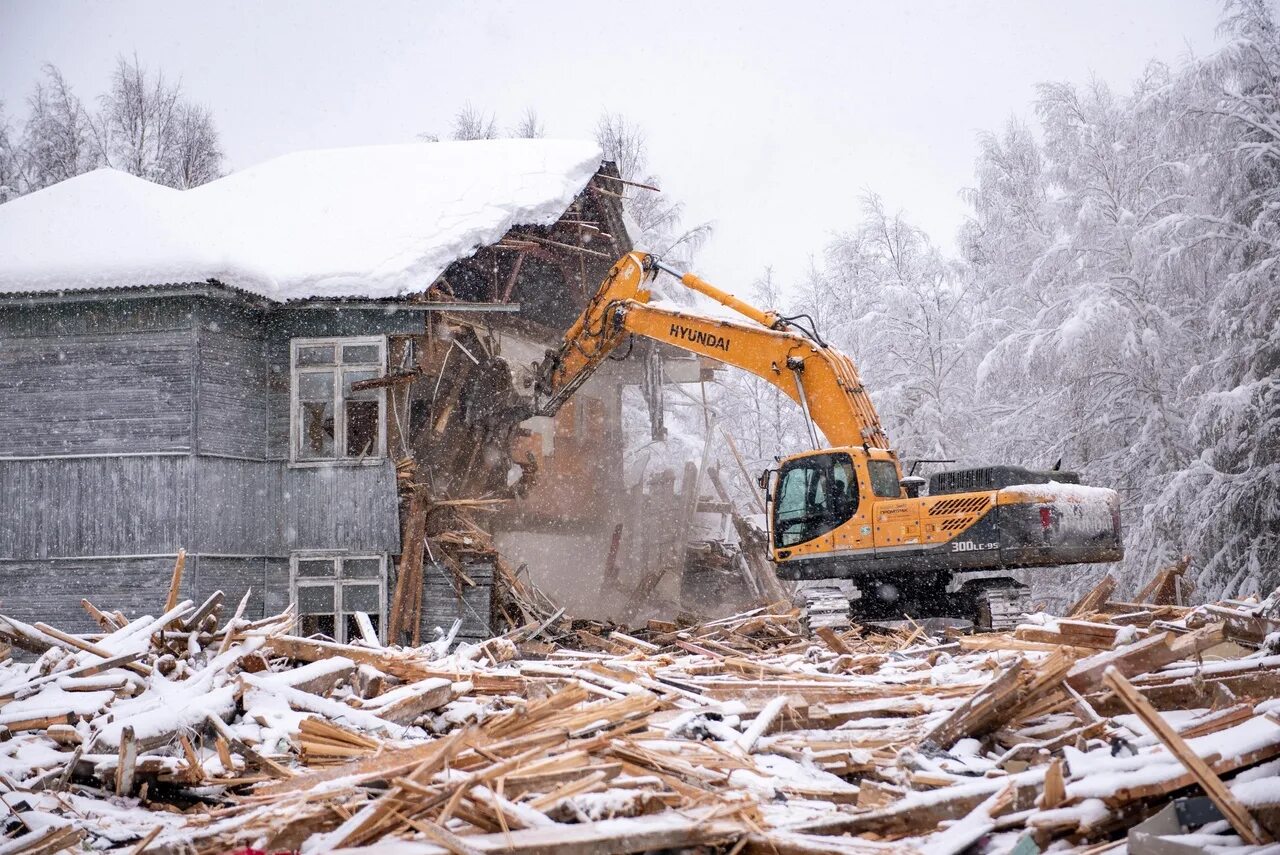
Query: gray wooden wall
x=159, y=423
x=86, y=378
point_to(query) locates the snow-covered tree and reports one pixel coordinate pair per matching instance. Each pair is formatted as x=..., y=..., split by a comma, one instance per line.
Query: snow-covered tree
x=473, y=124
x=10, y=168
x=196, y=154
x=658, y=216
x=143, y=126
x=136, y=121
x=146, y=128
x=57, y=139
x=904, y=315
x=530, y=126
x=1223, y=506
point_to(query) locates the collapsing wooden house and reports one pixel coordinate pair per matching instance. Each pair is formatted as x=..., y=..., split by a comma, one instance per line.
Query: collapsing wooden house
x=292, y=370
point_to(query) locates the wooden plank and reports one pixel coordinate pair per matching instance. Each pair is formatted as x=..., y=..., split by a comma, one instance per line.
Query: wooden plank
x=381, y=767
x=409, y=573
x=610, y=837
x=1236, y=814
x=211, y=604
x=404, y=704
x=747, y=741
x=1055, y=788
x=247, y=751
x=175, y=582
x=832, y=639
x=368, y=634
x=1095, y=598
x=407, y=665
x=146, y=841
x=975, y=713
x=81, y=644
x=126, y=762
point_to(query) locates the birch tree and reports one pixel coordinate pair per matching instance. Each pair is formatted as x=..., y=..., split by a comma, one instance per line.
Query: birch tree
x=472, y=124
x=10, y=173
x=658, y=217
x=146, y=128
x=57, y=139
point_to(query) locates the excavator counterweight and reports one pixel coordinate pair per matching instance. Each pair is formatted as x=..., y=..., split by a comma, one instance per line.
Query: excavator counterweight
x=842, y=517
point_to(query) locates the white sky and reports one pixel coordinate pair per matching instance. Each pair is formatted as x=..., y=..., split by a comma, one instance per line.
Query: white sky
x=767, y=118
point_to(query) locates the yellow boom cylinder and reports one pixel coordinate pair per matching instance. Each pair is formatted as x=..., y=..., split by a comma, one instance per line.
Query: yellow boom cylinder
x=724, y=298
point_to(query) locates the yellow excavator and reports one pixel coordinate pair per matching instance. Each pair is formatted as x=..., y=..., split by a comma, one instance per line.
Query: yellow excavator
x=844, y=522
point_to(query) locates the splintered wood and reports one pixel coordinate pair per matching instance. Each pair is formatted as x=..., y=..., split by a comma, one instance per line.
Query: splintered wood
x=190, y=732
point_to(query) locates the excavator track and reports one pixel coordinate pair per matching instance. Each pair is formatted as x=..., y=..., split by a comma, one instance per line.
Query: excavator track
x=822, y=604
x=990, y=604
x=999, y=604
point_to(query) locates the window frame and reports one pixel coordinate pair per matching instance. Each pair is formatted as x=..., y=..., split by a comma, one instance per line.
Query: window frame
x=338, y=583
x=819, y=466
x=875, y=466
x=379, y=453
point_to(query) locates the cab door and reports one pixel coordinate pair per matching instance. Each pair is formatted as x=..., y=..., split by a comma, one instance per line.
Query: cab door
x=856, y=533
x=816, y=496
x=897, y=520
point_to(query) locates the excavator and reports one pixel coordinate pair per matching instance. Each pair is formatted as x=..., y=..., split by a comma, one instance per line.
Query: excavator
x=844, y=523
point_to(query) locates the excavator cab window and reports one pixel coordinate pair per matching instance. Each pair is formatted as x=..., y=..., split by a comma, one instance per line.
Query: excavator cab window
x=884, y=479
x=815, y=495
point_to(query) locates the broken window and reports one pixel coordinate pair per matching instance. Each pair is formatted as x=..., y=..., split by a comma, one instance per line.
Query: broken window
x=331, y=420
x=328, y=591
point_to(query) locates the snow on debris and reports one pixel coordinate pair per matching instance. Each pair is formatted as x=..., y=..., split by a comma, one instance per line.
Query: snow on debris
x=232, y=735
x=370, y=222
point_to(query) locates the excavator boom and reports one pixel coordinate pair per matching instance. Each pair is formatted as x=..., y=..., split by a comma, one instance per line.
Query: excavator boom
x=823, y=381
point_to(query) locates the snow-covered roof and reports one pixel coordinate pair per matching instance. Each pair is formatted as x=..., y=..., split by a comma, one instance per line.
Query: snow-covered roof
x=369, y=222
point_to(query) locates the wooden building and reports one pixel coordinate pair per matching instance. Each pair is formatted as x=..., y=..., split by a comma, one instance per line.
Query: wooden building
x=236, y=370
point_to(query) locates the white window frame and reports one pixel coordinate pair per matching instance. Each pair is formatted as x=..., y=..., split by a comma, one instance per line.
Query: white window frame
x=338, y=583
x=379, y=453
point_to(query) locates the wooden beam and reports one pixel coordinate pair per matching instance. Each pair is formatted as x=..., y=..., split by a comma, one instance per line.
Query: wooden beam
x=1096, y=597
x=126, y=762
x=1236, y=814
x=175, y=583
x=409, y=573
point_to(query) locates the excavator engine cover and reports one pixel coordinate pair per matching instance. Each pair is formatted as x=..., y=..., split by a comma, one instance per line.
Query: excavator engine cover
x=986, y=478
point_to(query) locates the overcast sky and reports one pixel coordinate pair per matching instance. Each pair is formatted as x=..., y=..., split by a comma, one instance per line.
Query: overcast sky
x=767, y=118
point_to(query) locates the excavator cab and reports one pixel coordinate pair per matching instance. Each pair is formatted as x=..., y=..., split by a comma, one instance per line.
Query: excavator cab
x=826, y=500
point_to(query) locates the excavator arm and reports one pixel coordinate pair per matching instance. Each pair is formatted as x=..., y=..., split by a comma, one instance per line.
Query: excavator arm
x=823, y=381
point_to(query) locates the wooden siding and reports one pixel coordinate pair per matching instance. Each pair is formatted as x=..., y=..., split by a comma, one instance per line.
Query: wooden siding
x=95, y=393
x=238, y=507
x=270, y=509
x=51, y=590
x=353, y=508
x=235, y=577
x=86, y=506
x=172, y=400
x=231, y=399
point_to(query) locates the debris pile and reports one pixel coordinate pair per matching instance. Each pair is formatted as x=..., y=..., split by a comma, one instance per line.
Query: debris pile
x=188, y=732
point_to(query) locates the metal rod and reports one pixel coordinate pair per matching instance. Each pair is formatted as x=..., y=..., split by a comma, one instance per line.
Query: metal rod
x=804, y=407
